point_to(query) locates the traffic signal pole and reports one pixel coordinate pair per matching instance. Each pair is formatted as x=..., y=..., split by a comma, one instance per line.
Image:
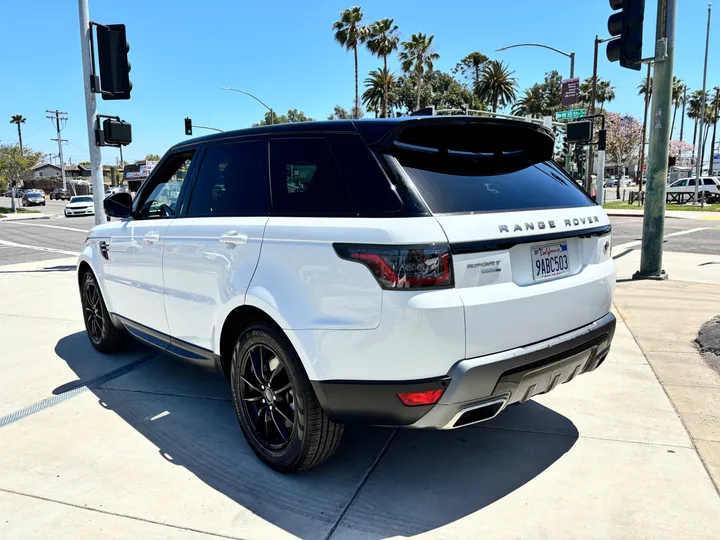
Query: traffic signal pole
x=658, y=149
x=91, y=112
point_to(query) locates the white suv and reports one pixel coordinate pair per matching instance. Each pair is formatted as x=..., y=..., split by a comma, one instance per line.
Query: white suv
x=416, y=272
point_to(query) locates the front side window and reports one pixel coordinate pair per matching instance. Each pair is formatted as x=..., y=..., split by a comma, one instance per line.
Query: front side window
x=160, y=198
x=680, y=183
x=305, y=179
x=230, y=182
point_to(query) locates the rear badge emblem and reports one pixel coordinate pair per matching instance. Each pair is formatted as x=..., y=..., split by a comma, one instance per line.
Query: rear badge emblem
x=486, y=267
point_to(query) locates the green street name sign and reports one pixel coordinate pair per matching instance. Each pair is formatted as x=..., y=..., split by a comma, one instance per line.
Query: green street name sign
x=569, y=115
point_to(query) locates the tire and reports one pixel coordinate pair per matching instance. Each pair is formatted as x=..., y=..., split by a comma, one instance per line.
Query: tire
x=103, y=335
x=312, y=437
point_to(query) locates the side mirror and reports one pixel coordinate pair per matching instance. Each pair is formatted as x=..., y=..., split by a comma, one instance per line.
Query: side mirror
x=118, y=205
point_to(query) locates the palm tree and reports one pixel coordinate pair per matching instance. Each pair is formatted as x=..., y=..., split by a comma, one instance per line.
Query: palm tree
x=378, y=84
x=382, y=40
x=677, y=93
x=645, y=88
x=418, y=55
x=496, y=85
x=604, y=92
x=694, y=108
x=349, y=33
x=532, y=102
x=716, y=109
x=18, y=119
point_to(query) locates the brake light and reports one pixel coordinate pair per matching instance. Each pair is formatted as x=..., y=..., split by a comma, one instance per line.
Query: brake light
x=403, y=267
x=421, y=398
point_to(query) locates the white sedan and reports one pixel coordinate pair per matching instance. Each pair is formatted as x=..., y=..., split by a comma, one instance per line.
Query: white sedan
x=81, y=205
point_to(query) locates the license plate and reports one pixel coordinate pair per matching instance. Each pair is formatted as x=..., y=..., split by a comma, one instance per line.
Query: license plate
x=550, y=261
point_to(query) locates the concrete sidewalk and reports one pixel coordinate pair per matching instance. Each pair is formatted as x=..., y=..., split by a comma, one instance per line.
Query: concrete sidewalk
x=23, y=216
x=140, y=445
x=664, y=318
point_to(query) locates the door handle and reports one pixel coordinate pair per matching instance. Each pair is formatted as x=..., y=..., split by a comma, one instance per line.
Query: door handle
x=151, y=237
x=234, y=238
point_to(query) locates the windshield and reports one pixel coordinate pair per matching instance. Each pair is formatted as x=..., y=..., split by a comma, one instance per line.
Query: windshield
x=459, y=184
x=81, y=199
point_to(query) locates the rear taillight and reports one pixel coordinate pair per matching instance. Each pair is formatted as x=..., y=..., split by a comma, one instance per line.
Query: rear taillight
x=429, y=397
x=403, y=267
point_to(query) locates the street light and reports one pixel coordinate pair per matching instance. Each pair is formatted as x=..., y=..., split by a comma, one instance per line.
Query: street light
x=272, y=117
x=570, y=55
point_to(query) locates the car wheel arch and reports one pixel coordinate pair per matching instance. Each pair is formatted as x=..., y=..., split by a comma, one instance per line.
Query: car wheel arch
x=241, y=318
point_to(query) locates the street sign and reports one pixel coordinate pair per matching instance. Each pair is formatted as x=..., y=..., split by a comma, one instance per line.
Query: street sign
x=570, y=91
x=570, y=115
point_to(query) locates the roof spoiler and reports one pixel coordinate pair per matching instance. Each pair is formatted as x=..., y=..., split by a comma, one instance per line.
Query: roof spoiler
x=470, y=136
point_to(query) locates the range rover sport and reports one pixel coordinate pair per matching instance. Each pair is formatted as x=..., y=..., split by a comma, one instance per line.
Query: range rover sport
x=423, y=272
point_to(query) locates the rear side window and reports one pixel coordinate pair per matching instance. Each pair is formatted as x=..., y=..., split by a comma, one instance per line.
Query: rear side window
x=306, y=181
x=452, y=183
x=230, y=182
x=710, y=182
x=371, y=190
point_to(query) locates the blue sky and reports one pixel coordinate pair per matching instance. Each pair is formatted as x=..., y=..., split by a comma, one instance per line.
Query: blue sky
x=182, y=53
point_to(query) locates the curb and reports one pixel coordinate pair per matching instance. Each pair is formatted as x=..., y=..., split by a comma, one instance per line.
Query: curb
x=23, y=217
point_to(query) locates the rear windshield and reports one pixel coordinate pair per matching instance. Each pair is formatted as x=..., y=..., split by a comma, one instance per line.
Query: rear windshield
x=451, y=183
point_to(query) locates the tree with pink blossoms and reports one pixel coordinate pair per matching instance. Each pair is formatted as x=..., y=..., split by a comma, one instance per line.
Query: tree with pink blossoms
x=624, y=137
x=681, y=151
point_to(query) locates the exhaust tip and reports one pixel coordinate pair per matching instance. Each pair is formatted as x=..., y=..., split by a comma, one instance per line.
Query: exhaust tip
x=479, y=413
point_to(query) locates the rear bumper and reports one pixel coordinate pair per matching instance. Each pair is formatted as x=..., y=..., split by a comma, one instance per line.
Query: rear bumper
x=476, y=389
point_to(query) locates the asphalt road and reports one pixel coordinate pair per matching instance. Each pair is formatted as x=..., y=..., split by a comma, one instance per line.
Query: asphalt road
x=59, y=236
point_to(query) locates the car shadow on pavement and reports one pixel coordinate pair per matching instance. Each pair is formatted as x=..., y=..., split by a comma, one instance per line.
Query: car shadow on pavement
x=423, y=481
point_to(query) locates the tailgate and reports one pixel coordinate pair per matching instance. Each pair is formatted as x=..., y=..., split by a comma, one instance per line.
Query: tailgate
x=509, y=301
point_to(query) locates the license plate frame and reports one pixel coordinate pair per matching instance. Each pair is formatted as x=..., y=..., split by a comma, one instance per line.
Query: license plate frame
x=550, y=261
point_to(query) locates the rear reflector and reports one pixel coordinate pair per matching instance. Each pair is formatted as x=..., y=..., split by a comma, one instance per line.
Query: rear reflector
x=403, y=267
x=421, y=398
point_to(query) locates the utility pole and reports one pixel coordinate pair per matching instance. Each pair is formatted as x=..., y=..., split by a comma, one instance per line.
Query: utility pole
x=658, y=150
x=593, y=99
x=682, y=119
x=701, y=145
x=57, y=116
x=91, y=113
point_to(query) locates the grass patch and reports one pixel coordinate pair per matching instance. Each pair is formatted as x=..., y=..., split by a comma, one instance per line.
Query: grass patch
x=621, y=205
x=20, y=210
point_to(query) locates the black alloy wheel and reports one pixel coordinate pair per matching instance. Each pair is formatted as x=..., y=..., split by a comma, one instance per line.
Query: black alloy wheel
x=275, y=403
x=267, y=397
x=104, y=336
x=93, y=308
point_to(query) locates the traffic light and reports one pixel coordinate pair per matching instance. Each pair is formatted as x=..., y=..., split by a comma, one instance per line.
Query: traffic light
x=113, y=51
x=672, y=160
x=627, y=24
x=117, y=132
x=188, y=126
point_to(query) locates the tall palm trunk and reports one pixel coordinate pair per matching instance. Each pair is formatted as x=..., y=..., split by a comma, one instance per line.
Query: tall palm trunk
x=712, y=144
x=385, y=89
x=20, y=138
x=695, y=136
x=356, y=107
x=672, y=126
x=495, y=102
x=419, y=83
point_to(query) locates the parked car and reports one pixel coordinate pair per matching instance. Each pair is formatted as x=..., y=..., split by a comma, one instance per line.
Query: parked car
x=709, y=187
x=376, y=271
x=33, y=198
x=80, y=205
x=60, y=194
